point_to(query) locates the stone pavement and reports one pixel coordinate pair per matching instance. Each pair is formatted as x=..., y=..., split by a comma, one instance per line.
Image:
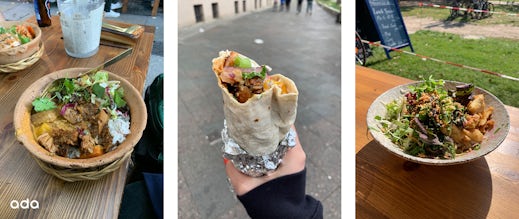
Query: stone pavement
x=307, y=49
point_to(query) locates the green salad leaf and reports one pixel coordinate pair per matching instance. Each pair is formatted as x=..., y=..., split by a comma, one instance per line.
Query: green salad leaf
x=428, y=86
x=98, y=90
x=242, y=62
x=250, y=75
x=43, y=104
x=69, y=86
x=101, y=76
x=24, y=39
x=118, y=97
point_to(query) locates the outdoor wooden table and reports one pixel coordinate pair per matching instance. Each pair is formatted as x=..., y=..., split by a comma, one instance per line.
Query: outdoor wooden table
x=21, y=178
x=388, y=186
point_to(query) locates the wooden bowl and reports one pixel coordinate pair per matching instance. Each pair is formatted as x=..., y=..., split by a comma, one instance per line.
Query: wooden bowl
x=15, y=54
x=63, y=167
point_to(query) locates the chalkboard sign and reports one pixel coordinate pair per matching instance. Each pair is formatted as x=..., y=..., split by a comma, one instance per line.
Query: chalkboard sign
x=389, y=24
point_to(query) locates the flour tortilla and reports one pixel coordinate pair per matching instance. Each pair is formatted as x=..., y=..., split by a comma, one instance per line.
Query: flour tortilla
x=259, y=124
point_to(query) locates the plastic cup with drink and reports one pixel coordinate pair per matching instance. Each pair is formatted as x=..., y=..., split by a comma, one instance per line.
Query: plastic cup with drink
x=81, y=22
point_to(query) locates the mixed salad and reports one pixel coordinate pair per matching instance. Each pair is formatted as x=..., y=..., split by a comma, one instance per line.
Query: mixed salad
x=16, y=35
x=81, y=117
x=432, y=122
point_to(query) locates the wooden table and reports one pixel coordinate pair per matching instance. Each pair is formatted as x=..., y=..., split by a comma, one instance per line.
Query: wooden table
x=21, y=178
x=387, y=186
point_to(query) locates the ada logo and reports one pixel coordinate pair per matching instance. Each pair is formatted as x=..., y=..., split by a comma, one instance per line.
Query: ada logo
x=25, y=204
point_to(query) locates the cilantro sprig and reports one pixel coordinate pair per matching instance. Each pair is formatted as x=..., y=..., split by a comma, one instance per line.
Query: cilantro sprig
x=43, y=104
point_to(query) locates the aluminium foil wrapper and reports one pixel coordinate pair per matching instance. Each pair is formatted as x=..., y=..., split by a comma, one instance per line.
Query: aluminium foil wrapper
x=260, y=165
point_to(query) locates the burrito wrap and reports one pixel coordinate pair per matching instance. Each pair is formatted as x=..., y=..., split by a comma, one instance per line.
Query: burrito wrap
x=259, y=124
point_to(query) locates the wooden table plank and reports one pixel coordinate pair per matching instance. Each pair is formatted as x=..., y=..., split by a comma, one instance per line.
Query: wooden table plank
x=388, y=186
x=21, y=178
x=369, y=85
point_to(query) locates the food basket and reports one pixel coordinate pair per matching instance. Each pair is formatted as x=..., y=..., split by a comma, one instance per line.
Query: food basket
x=20, y=57
x=78, y=169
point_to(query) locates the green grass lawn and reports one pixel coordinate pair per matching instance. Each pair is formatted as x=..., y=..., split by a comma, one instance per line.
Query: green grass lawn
x=497, y=55
x=443, y=14
x=331, y=3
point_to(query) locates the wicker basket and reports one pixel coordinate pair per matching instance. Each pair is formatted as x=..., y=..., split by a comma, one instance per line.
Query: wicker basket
x=24, y=63
x=78, y=169
x=73, y=175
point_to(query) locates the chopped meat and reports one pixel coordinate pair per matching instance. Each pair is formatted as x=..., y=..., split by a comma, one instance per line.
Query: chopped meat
x=255, y=84
x=243, y=94
x=87, y=144
x=105, y=138
x=72, y=115
x=230, y=60
x=47, y=142
x=62, y=151
x=68, y=151
x=244, y=91
x=64, y=133
x=102, y=120
x=88, y=111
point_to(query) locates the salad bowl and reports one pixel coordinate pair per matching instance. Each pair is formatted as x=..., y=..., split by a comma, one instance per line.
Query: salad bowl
x=21, y=52
x=492, y=139
x=86, y=168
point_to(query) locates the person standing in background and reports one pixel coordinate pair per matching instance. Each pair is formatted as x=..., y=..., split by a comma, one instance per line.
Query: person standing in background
x=118, y=4
x=287, y=2
x=309, y=7
x=282, y=5
x=110, y=6
x=299, y=6
x=275, y=7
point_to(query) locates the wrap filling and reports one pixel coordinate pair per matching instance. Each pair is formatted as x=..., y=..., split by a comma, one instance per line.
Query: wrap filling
x=244, y=78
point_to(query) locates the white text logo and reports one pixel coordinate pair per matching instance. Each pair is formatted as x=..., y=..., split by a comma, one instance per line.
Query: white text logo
x=25, y=204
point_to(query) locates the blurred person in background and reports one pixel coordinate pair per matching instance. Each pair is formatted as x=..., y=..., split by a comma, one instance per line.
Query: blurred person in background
x=309, y=7
x=110, y=6
x=287, y=4
x=299, y=6
x=282, y=5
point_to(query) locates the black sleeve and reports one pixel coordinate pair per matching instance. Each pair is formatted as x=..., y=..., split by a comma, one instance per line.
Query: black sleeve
x=284, y=197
